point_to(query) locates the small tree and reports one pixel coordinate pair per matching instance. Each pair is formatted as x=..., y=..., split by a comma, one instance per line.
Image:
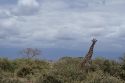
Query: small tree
x=30, y=52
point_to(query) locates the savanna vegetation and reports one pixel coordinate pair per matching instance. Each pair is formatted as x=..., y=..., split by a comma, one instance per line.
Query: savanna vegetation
x=65, y=70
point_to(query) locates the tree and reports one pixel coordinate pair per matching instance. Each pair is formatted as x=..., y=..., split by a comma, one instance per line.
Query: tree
x=30, y=52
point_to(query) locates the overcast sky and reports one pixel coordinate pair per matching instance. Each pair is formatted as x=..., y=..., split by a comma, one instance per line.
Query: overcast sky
x=67, y=24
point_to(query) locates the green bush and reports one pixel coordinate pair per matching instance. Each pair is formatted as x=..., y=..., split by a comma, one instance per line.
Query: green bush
x=10, y=81
x=65, y=70
x=101, y=77
x=24, y=71
x=7, y=65
x=48, y=79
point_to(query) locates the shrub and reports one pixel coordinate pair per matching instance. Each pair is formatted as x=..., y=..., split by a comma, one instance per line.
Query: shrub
x=7, y=65
x=24, y=71
x=100, y=77
x=48, y=79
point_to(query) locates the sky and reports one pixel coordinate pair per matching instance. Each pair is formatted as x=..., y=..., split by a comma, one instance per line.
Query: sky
x=62, y=27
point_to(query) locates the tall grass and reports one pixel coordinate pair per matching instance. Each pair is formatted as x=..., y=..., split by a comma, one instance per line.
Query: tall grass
x=65, y=70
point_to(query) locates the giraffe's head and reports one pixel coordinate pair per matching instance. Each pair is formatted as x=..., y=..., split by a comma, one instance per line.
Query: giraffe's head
x=94, y=40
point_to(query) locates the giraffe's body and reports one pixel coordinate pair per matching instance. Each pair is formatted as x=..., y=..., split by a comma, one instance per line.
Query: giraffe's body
x=88, y=56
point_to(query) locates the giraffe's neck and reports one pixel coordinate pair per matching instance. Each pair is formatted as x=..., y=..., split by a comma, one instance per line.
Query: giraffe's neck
x=90, y=52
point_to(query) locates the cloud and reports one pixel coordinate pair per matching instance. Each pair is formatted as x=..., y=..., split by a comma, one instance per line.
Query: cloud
x=26, y=7
x=4, y=13
x=64, y=23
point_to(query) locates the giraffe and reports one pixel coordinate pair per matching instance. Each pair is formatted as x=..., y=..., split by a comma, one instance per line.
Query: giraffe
x=86, y=61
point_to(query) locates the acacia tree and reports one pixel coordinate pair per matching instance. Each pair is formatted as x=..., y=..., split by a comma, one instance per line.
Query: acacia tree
x=30, y=52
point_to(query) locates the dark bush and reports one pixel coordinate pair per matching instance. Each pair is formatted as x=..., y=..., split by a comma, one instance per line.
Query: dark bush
x=24, y=71
x=48, y=79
